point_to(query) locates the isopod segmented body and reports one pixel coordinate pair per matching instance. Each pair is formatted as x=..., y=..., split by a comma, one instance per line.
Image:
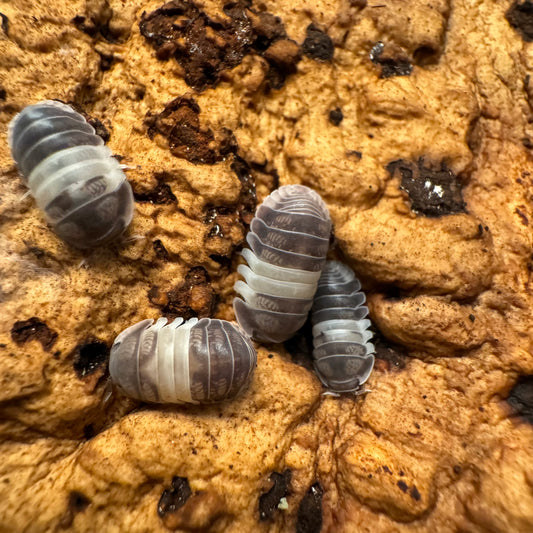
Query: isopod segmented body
x=342, y=352
x=73, y=177
x=289, y=239
x=198, y=361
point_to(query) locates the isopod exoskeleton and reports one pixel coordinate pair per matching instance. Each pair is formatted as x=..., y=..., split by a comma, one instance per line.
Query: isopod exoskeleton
x=289, y=239
x=342, y=352
x=198, y=361
x=73, y=177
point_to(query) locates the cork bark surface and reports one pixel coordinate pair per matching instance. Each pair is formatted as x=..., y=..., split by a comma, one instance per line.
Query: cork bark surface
x=413, y=121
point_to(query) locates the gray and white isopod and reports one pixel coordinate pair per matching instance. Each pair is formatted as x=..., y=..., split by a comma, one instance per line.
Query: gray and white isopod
x=343, y=356
x=73, y=177
x=289, y=239
x=198, y=361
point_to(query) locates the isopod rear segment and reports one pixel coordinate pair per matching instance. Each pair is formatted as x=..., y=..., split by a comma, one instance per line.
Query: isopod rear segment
x=288, y=239
x=198, y=361
x=343, y=356
x=73, y=177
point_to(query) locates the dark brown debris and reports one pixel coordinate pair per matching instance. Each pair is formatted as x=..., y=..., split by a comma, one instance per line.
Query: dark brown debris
x=174, y=497
x=318, y=44
x=161, y=194
x=247, y=195
x=221, y=219
x=521, y=398
x=520, y=17
x=310, y=511
x=389, y=356
x=269, y=501
x=527, y=142
x=157, y=297
x=179, y=122
x=393, y=60
x=96, y=123
x=96, y=24
x=434, y=190
x=412, y=491
x=354, y=155
x=267, y=29
x=99, y=127
x=179, y=509
x=160, y=251
x=402, y=485
x=5, y=23
x=205, y=48
x=89, y=356
x=336, y=116
x=283, y=56
x=195, y=297
x=106, y=61
x=425, y=55
x=33, y=329
x=223, y=260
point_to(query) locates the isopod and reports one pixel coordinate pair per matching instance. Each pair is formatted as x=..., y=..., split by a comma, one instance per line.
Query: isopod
x=197, y=361
x=343, y=356
x=73, y=177
x=289, y=239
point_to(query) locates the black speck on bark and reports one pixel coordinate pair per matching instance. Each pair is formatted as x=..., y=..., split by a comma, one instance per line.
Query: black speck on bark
x=318, y=44
x=174, y=497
